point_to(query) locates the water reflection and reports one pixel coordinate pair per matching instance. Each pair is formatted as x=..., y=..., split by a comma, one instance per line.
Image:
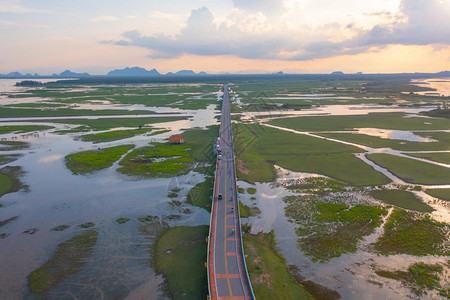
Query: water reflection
x=394, y=135
x=441, y=85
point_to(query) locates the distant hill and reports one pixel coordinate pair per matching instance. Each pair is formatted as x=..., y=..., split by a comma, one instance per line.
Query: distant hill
x=70, y=74
x=186, y=73
x=136, y=71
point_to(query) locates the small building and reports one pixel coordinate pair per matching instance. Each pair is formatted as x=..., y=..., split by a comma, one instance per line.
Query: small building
x=176, y=139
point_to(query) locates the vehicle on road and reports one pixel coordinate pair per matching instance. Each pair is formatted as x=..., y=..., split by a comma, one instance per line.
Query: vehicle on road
x=220, y=197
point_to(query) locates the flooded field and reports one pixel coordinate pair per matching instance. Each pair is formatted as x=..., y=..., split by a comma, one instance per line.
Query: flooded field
x=119, y=268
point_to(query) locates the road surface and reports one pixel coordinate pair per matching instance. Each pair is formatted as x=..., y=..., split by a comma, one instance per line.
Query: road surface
x=227, y=273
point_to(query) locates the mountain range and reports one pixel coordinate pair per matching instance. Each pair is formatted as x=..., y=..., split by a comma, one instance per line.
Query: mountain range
x=126, y=72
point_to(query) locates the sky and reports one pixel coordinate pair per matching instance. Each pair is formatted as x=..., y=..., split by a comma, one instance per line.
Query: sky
x=215, y=36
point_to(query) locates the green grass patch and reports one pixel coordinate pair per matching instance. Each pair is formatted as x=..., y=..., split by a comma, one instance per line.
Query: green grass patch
x=60, y=227
x=110, y=136
x=443, y=194
x=87, y=225
x=373, y=120
x=318, y=185
x=247, y=211
x=251, y=190
x=439, y=157
x=7, y=221
x=109, y=123
x=10, y=180
x=23, y=128
x=200, y=195
x=442, y=143
x=6, y=159
x=13, y=145
x=200, y=142
x=68, y=259
x=65, y=112
x=403, y=199
x=419, y=277
x=77, y=129
x=122, y=220
x=412, y=171
x=327, y=229
x=259, y=148
x=160, y=160
x=267, y=269
x=90, y=161
x=412, y=233
x=180, y=255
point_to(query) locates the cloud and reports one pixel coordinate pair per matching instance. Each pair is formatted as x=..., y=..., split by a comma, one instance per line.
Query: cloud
x=426, y=22
x=252, y=34
x=15, y=6
x=104, y=19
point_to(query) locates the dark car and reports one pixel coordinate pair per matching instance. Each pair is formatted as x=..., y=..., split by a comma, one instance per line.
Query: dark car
x=219, y=197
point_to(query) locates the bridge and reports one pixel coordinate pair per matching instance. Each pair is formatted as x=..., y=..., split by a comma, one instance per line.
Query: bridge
x=227, y=272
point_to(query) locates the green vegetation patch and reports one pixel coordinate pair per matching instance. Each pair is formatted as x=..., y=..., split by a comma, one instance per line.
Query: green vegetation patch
x=90, y=161
x=411, y=170
x=397, y=121
x=251, y=190
x=161, y=160
x=268, y=271
x=108, y=123
x=443, y=194
x=403, y=199
x=258, y=148
x=412, y=233
x=87, y=225
x=64, y=112
x=318, y=185
x=23, y=128
x=246, y=211
x=180, y=255
x=109, y=136
x=10, y=180
x=439, y=157
x=419, y=277
x=60, y=227
x=6, y=159
x=68, y=259
x=7, y=221
x=13, y=145
x=328, y=229
x=122, y=220
x=442, y=141
x=200, y=195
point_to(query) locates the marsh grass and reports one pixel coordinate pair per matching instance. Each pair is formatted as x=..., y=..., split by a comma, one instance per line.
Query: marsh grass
x=13, y=145
x=443, y=194
x=419, y=277
x=68, y=259
x=259, y=148
x=160, y=160
x=94, y=160
x=412, y=171
x=372, y=120
x=18, y=129
x=268, y=271
x=10, y=180
x=403, y=199
x=180, y=254
x=413, y=233
x=329, y=229
x=200, y=195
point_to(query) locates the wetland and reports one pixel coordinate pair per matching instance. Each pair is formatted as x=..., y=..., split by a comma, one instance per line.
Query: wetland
x=343, y=189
